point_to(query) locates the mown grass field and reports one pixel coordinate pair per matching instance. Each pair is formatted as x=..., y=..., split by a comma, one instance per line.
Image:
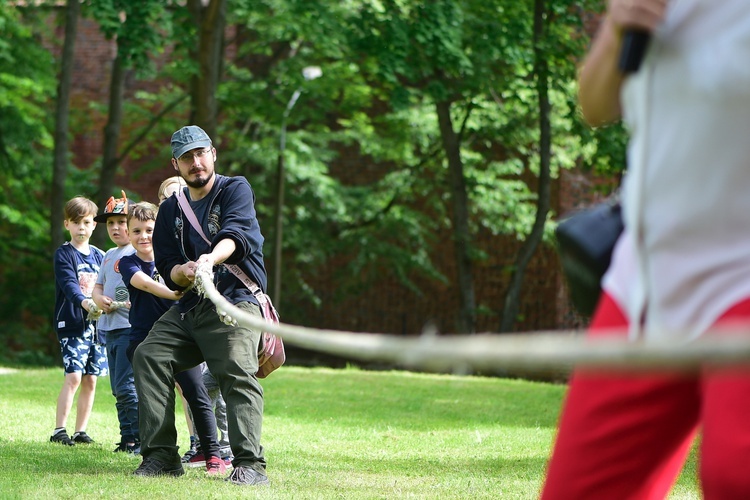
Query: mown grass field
x=327, y=434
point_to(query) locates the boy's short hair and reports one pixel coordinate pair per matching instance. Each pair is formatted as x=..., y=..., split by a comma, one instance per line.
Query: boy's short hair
x=142, y=211
x=79, y=207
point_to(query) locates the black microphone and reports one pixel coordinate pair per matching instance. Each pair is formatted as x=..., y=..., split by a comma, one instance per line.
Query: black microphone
x=634, y=45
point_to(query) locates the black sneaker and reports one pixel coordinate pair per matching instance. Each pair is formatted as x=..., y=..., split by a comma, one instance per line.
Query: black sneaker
x=247, y=476
x=62, y=438
x=82, y=437
x=150, y=467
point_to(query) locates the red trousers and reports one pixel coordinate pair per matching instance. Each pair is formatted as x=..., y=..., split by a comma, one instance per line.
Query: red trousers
x=626, y=435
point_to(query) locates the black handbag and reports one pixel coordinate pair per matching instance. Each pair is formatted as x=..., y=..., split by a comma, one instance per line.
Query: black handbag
x=585, y=241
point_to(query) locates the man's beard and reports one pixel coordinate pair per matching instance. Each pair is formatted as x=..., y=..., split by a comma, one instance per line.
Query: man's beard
x=199, y=182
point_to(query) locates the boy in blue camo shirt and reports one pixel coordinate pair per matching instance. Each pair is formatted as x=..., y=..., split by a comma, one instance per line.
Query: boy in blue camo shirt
x=76, y=266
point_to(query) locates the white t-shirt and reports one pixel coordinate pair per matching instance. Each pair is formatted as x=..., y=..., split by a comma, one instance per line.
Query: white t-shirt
x=684, y=257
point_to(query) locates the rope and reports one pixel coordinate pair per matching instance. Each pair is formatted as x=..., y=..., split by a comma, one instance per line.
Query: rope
x=487, y=352
x=95, y=312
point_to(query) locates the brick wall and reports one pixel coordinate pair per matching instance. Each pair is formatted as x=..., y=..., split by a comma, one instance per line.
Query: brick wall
x=89, y=97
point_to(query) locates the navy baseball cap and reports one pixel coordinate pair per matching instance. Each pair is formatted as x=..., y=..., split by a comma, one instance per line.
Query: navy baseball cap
x=189, y=138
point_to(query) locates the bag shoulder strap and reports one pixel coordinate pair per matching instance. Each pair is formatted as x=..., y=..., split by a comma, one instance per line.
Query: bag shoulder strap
x=234, y=269
x=188, y=211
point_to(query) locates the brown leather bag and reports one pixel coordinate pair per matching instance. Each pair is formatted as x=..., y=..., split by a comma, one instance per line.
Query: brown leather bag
x=271, y=354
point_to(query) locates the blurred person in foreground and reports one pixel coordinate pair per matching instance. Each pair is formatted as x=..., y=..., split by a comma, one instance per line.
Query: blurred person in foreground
x=682, y=264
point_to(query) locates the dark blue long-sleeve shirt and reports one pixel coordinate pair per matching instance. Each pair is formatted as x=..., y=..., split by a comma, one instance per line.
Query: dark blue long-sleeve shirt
x=229, y=213
x=75, y=277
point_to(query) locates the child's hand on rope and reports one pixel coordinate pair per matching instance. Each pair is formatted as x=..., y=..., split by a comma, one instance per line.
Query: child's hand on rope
x=94, y=312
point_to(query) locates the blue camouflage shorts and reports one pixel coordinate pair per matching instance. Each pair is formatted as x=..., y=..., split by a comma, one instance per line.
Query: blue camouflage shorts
x=83, y=355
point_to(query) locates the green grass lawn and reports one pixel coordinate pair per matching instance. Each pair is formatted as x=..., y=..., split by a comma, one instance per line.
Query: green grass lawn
x=327, y=434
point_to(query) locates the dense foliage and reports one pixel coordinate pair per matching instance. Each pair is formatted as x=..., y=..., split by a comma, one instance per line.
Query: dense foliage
x=27, y=83
x=386, y=64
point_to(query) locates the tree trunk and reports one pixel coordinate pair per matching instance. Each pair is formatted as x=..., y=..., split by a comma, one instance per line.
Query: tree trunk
x=526, y=252
x=461, y=240
x=110, y=160
x=212, y=22
x=62, y=115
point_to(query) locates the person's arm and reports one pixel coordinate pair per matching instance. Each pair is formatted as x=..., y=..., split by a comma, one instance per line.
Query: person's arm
x=600, y=79
x=141, y=281
x=239, y=220
x=184, y=274
x=102, y=301
x=221, y=252
x=67, y=279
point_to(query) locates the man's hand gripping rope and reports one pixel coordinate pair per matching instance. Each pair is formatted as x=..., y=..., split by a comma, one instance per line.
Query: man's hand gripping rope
x=204, y=274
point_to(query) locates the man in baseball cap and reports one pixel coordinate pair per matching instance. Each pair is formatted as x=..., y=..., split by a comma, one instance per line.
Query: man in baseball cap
x=189, y=138
x=193, y=156
x=192, y=330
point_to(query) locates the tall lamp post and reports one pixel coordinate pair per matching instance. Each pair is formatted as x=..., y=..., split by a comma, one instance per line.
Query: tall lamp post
x=309, y=73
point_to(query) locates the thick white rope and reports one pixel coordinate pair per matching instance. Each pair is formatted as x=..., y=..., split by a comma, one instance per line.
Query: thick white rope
x=486, y=352
x=95, y=312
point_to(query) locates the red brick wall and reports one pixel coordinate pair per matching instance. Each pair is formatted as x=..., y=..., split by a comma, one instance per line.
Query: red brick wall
x=91, y=78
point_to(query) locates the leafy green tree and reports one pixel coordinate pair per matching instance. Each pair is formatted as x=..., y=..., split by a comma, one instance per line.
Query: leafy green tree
x=62, y=120
x=370, y=227
x=27, y=83
x=453, y=55
x=205, y=28
x=138, y=29
x=501, y=78
x=439, y=99
x=556, y=49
